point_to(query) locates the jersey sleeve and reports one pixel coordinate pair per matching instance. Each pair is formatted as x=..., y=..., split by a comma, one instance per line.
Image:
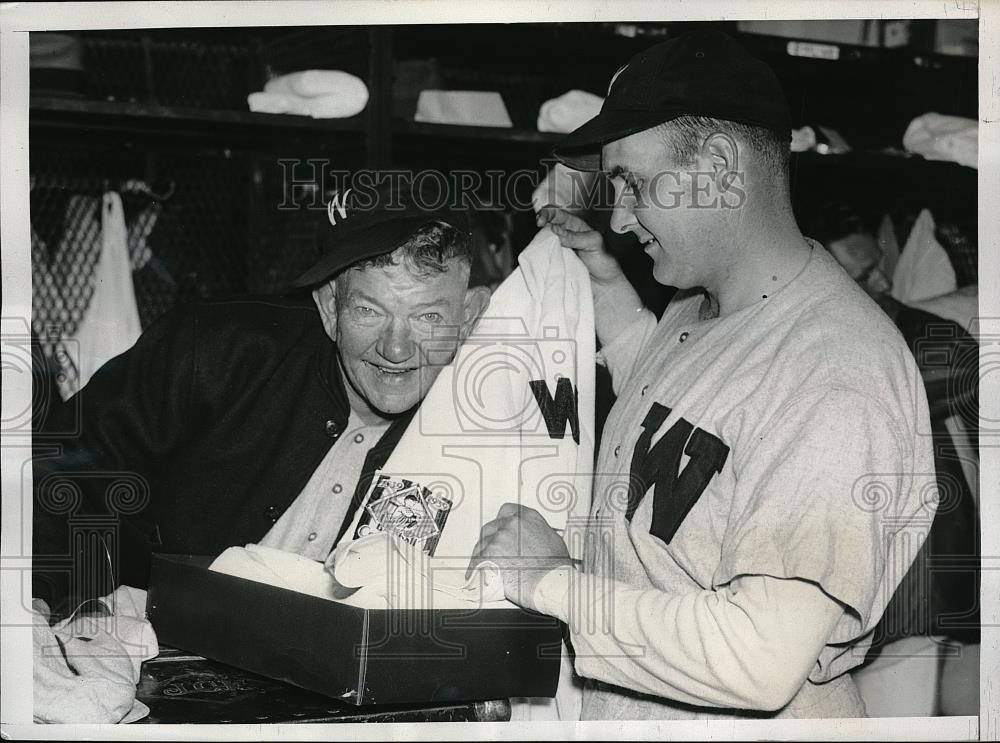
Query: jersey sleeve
x=833, y=491
x=620, y=356
x=714, y=648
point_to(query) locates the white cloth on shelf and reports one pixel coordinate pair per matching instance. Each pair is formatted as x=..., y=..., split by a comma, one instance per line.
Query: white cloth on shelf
x=335, y=106
x=924, y=269
x=316, y=83
x=86, y=668
x=277, y=103
x=940, y=137
x=569, y=111
x=803, y=139
x=111, y=323
x=462, y=107
x=321, y=94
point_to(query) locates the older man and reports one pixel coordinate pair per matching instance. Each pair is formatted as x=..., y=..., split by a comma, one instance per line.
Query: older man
x=762, y=459
x=256, y=420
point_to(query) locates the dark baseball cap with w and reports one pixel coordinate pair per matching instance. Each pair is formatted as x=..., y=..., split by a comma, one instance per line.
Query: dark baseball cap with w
x=700, y=73
x=374, y=218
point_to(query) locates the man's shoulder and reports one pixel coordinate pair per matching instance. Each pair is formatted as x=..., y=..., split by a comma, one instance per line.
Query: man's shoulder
x=252, y=316
x=226, y=331
x=839, y=315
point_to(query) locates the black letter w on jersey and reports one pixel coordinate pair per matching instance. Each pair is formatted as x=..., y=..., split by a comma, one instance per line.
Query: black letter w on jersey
x=557, y=411
x=675, y=492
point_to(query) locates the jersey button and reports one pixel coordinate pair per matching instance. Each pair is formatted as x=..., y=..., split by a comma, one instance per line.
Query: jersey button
x=684, y=336
x=358, y=438
x=618, y=449
x=643, y=392
x=338, y=488
x=332, y=429
x=312, y=537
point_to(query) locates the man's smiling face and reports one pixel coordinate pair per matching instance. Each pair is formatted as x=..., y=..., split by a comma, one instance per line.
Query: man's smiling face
x=384, y=317
x=662, y=202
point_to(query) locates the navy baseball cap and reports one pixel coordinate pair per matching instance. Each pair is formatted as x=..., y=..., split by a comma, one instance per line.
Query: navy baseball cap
x=373, y=219
x=700, y=73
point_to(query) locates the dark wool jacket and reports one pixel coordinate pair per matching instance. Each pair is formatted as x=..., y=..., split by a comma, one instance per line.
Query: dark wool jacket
x=196, y=439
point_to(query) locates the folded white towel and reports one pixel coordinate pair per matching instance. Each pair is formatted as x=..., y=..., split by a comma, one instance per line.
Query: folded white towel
x=336, y=106
x=939, y=137
x=464, y=107
x=315, y=83
x=278, y=103
x=321, y=94
x=568, y=111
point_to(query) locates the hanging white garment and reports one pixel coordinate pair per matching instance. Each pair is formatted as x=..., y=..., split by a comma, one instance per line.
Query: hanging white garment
x=111, y=323
x=924, y=269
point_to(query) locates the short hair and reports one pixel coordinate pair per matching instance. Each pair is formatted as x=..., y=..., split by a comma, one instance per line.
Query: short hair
x=835, y=220
x=685, y=135
x=427, y=251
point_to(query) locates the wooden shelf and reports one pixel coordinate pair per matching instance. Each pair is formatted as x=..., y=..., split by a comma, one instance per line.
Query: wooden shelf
x=74, y=112
x=485, y=133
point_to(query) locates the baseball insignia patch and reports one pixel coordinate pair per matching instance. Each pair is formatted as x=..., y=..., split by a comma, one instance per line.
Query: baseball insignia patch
x=406, y=510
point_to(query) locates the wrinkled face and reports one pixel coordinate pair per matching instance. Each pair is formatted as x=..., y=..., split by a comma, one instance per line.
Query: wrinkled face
x=391, y=324
x=667, y=206
x=860, y=256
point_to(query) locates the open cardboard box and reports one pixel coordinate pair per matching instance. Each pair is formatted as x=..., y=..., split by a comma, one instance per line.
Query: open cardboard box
x=360, y=656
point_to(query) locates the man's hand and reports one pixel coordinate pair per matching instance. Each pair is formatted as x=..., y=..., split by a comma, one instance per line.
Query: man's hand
x=523, y=546
x=615, y=299
x=588, y=243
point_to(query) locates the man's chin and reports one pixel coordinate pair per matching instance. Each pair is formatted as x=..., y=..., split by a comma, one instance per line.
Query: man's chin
x=392, y=405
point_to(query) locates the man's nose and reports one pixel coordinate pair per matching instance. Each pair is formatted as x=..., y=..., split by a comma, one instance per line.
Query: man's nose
x=396, y=342
x=622, y=211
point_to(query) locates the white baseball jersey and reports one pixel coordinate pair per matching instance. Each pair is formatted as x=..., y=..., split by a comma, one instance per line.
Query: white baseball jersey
x=780, y=440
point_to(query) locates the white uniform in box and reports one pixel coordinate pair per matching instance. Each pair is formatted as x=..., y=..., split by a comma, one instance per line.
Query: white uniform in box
x=777, y=441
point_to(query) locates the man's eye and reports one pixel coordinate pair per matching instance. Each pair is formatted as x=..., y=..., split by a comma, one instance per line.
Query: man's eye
x=365, y=311
x=432, y=317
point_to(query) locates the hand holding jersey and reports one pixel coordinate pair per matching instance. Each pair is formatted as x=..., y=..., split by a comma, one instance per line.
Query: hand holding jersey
x=520, y=542
x=615, y=300
x=755, y=503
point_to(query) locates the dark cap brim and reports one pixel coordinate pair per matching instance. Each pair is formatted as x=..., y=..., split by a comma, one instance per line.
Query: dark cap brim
x=581, y=148
x=377, y=240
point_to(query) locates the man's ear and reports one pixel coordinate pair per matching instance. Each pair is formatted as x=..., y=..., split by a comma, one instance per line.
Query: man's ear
x=477, y=299
x=325, y=298
x=719, y=154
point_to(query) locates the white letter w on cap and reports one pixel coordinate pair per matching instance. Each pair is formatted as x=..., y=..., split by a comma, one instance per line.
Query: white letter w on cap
x=337, y=205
